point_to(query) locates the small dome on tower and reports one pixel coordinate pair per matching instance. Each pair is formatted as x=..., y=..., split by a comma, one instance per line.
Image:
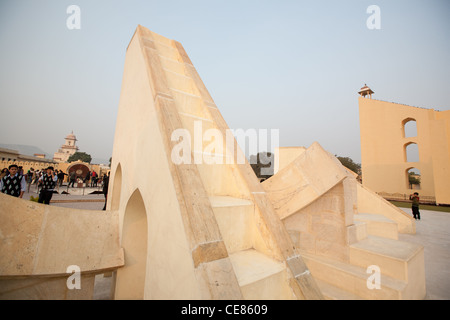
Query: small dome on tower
x=71, y=136
x=366, y=91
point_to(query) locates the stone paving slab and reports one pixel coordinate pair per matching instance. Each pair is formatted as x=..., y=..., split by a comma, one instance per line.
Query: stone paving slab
x=433, y=232
x=74, y=194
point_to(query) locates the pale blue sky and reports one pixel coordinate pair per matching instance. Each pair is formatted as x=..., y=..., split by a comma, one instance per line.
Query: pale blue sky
x=295, y=66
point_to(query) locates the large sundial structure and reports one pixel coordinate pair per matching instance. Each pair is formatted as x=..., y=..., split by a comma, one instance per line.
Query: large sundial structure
x=207, y=229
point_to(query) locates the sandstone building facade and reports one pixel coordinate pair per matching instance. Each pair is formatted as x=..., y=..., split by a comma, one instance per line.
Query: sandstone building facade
x=399, y=141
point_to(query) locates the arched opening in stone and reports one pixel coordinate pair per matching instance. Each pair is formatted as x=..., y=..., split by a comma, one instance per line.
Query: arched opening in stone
x=130, y=281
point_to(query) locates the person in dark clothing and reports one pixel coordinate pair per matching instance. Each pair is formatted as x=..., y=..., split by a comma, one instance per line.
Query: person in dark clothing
x=415, y=205
x=61, y=175
x=13, y=183
x=105, y=188
x=48, y=180
x=72, y=178
x=87, y=178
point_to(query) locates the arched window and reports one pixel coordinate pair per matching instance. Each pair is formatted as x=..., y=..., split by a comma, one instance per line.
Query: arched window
x=409, y=128
x=411, y=152
x=413, y=178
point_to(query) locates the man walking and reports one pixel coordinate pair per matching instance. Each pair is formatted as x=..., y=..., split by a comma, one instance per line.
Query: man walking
x=48, y=180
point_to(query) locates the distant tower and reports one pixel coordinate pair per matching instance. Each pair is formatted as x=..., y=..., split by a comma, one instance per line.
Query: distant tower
x=67, y=149
x=366, y=91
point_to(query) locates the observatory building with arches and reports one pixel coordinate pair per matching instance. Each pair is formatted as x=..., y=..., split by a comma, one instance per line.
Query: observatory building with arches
x=399, y=142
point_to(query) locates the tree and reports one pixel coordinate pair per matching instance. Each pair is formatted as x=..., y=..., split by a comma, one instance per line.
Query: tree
x=83, y=156
x=413, y=178
x=348, y=163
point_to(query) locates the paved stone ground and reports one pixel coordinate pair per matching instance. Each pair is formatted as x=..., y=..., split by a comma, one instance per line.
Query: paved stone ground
x=432, y=232
x=77, y=198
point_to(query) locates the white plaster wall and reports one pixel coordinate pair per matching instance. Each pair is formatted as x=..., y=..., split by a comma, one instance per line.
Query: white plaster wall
x=139, y=148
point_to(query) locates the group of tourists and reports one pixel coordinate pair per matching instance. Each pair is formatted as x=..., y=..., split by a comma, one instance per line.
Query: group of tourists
x=14, y=182
x=91, y=179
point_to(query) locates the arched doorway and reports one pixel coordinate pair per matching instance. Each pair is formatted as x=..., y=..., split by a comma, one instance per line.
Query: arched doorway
x=81, y=170
x=130, y=281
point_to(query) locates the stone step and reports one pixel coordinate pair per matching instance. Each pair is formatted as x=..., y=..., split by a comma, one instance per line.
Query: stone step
x=395, y=258
x=361, y=232
x=331, y=292
x=181, y=82
x=219, y=178
x=190, y=104
x=235, y=218
x=260, y=277
x=354, y=279
x=378, y=225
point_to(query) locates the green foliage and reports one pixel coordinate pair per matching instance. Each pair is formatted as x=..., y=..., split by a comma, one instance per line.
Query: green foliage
x=83, y=156
x=431, y=207
x=350, y=164
x=413, y=179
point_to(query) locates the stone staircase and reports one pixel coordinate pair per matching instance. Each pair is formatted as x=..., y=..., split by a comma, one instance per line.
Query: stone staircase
x=259, y=275
x=228, y=207
x=347, y=235
x=258, y=247
x=400, y=265
x=378, y=225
